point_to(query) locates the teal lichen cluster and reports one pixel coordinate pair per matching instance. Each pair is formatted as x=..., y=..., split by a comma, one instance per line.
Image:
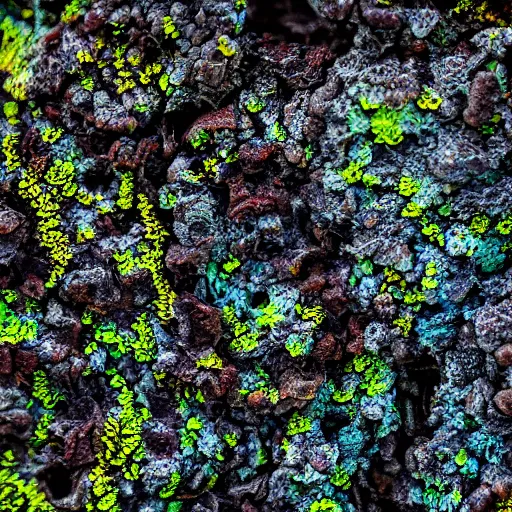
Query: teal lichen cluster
x=301, y=343
x=388, y=126
x=485, y=239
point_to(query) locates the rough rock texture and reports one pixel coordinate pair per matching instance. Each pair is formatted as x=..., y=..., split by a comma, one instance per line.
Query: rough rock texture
x=255, y=256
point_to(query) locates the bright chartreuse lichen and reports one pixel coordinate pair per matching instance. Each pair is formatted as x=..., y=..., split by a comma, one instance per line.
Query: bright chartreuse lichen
x=17, y=42
x=143, y=345
x=40, y=436
x=125, y=200
x=298, y=424
x=46, y=192
x=340, y=478
x=325, y=504
x=255, y=104
x=210, y=361
x=170, y=29
x=226, y=46
x=385, y=124
x=408, y=186
x=258, y=382
x=169, y=490
x=122, y=450
x=44, y=391
x=245, y=339
x=73, y=10
x=152, y=259
x=231, y=439
x=16, y=494
x=14, y=328
x=10, y=150
x=268, y=315
x=277, y=133
x=429, y=99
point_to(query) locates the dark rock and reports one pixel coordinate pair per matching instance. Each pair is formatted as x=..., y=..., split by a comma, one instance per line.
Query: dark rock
x=479, y=398
x=382, y=18
x=332, y=9
x=59, y=316
x=25, y=361
x=16, y=423
x=480, y=500
x=90, y=286
x=483, y=95
x=204, y=325
x=33, y=287
x=493, y=325
x=184, y=261
x=299, y=386
x=10, y=220
x=5, y=361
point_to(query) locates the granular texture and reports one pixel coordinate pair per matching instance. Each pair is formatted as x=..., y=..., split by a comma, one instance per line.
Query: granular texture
x=255, y=256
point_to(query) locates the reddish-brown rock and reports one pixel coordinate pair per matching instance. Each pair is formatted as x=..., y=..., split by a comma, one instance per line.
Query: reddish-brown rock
x=503, y=401
x=503, y=355
x=5, y=361
x=25, y=361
